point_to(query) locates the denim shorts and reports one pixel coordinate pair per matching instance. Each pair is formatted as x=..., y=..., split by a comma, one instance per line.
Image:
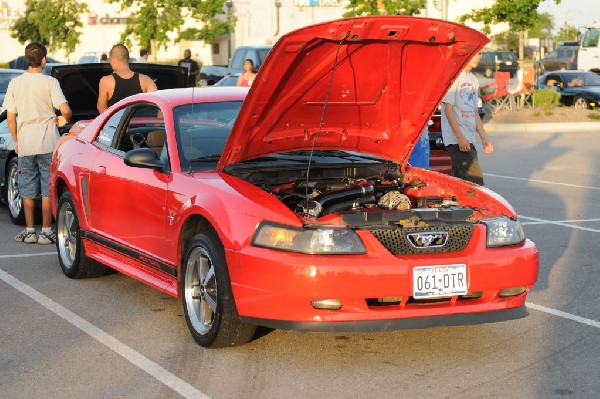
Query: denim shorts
x=33, y=175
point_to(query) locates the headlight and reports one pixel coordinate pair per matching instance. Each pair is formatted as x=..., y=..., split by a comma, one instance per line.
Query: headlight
x=309, y=241
x=503, y=231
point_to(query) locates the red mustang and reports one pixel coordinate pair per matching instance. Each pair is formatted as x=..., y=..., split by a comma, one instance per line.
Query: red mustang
x=291, y=205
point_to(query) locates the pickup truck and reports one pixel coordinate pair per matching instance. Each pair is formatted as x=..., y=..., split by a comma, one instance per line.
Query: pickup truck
x=211, y=74
x=588, y=56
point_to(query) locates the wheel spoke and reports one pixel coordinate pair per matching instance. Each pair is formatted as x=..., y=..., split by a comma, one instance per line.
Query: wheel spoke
x=200, y=290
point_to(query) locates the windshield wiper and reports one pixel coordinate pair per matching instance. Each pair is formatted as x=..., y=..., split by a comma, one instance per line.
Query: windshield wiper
x=207, y=158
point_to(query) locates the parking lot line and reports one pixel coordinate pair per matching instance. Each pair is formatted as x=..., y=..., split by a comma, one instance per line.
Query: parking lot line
x=565, y=223
x=564, y=315
x=27, y=255
x=167, y=378
x=541, y=181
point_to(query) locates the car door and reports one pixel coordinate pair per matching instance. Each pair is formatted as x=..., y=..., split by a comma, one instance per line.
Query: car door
x=127, y=204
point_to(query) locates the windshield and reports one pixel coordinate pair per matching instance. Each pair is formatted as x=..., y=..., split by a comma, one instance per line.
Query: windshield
x=5, y=78
x=202, y=129
x=591, y=38
x=582, y=79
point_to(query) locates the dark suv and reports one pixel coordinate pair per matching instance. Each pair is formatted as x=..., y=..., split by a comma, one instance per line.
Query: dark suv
x=563, y=58
x=497, y=61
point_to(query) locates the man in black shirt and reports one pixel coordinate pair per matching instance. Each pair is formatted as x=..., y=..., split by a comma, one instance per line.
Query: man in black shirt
x=123, y=82
x=192, y=67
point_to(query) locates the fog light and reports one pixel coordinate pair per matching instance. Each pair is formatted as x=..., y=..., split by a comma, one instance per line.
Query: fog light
x=390, y=299
x=512, y=291
x=327, y=304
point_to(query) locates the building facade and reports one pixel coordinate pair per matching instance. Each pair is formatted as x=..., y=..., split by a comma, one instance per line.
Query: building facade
x=258, y=22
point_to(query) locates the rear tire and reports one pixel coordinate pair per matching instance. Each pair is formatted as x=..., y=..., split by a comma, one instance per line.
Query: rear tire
x=13, y=199
x=71, y=252
x=208, y=302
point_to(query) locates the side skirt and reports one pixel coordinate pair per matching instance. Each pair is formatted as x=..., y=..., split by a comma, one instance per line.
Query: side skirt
x=143, y=267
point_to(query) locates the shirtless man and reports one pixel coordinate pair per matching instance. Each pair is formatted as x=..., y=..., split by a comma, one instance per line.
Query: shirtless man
x=123, y=82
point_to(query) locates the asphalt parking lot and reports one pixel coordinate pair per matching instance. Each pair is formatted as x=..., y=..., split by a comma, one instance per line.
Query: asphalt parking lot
x=113, y=337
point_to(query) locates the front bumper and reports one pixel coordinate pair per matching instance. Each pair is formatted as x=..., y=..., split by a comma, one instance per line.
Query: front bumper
x=276, y=289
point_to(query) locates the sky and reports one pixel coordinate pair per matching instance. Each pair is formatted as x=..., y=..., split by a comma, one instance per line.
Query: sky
x=574, y=12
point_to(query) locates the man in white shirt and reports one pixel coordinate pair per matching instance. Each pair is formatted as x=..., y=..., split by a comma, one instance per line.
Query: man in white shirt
x=461, y=124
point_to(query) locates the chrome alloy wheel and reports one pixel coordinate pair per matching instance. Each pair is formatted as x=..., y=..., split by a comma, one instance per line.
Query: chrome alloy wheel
x=200, y=290
x=580, y=103
x=15, y=203
x=66, y=231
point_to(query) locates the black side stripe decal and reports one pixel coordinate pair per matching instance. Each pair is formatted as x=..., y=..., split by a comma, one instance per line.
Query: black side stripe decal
x=149, y=261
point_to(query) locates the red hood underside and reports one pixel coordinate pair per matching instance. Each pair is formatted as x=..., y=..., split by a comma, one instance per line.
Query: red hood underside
x=365, y=84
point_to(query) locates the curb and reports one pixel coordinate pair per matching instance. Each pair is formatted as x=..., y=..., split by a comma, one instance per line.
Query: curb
x=542, y=127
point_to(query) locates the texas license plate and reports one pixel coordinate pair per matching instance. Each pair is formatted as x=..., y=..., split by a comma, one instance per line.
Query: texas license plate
x=439, y=281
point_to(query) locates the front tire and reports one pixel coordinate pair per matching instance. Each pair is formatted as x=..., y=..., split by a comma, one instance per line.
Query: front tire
x=13, y=199
x=71, y=252
x=208, y=302
x=580, y=103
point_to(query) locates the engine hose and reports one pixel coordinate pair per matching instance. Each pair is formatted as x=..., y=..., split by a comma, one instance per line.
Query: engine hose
x=333, y=197
x=349, y=204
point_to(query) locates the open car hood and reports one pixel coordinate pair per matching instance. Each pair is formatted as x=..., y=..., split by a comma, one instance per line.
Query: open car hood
x=366, y=84
x=79, y=82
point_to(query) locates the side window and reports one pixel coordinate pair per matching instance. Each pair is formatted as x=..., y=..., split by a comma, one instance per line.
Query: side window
x=107, y=134
x=551, y=79
x=145, y=127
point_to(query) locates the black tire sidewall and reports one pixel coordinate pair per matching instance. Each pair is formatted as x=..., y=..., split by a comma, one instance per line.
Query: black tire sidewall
x=226, y=324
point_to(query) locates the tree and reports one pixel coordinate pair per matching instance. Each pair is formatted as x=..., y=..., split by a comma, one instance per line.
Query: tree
x=213, y=26
x=151, y=21
x=567, y=32
x=54, y=23
x=521, y=15
x=358, y=8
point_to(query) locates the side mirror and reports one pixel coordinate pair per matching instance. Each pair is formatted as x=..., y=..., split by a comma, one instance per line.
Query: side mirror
x=143, y=158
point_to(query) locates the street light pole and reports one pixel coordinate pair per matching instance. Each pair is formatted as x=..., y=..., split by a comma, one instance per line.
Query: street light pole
x=445, y=10
x=229, y=5
x=277, y=9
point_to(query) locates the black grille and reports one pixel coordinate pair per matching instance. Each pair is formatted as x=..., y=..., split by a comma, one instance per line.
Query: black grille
x=396, y=240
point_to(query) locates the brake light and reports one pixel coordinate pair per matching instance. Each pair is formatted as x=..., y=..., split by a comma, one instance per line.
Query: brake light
x=572, y=59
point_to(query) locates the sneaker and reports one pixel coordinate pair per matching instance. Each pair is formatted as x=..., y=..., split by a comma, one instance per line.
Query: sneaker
x=27, y=237
x=47, y=238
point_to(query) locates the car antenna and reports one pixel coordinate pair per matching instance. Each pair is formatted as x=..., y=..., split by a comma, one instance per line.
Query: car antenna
x=335, y=64
x=191, y=119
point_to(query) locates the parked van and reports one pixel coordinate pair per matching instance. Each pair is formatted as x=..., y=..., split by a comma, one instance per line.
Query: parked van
x=588, y=57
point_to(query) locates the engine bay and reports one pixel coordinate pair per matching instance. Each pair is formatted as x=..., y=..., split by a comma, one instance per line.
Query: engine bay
x=367, y=196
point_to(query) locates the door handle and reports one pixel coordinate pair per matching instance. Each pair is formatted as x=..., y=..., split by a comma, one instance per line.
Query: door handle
x=101, y=170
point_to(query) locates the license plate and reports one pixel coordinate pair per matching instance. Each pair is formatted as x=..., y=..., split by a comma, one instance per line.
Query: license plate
x=439, y=281
x=508, y=62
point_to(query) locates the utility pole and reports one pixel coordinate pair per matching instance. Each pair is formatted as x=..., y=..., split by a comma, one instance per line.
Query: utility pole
x=445, y=10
